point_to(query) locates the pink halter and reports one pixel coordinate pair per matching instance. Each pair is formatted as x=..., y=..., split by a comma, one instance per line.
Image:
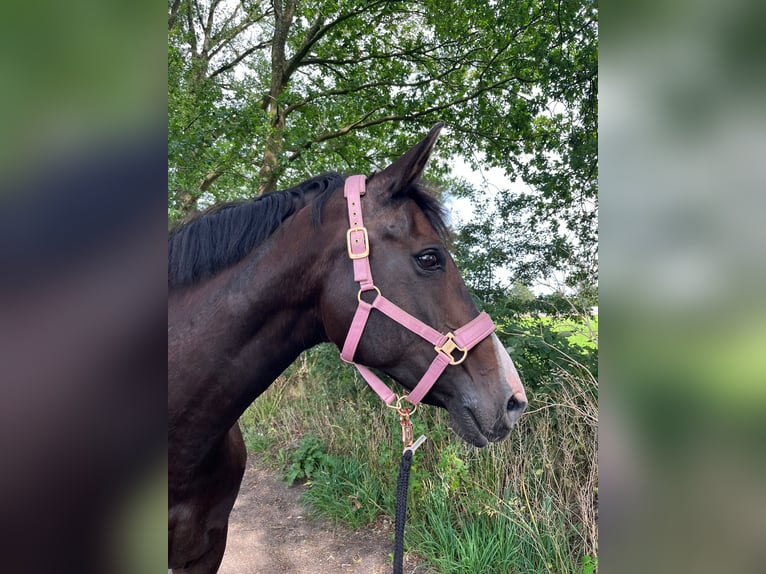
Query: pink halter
x=461, y=341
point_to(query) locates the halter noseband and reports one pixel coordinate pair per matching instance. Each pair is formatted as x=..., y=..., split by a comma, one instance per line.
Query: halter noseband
x=446, y=346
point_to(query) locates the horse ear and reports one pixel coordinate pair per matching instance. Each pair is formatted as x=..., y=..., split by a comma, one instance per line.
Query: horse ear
x=409, y=167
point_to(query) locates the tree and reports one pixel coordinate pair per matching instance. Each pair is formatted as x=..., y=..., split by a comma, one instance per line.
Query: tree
x=265, y=94
x=552, y=226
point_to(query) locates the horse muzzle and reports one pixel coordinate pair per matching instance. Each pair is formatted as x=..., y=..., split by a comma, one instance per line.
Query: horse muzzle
x=489, y=408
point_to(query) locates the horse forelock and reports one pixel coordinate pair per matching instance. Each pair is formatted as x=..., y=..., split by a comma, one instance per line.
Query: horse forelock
x=424, y=196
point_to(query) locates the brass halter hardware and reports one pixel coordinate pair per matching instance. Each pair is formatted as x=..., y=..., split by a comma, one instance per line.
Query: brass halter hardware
x=449, y=346
x=359, y=295
x=366, y=239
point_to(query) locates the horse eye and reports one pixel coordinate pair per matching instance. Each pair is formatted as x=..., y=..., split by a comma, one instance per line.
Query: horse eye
x=428, y=260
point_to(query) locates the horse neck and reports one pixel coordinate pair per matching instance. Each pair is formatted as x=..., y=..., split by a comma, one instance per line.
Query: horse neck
x=230, y=337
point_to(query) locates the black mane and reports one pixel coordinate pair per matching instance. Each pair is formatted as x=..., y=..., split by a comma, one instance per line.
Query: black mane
x=224, y=234
x=227, y=232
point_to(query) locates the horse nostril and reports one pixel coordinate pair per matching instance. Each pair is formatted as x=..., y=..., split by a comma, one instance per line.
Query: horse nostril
x=515, y=404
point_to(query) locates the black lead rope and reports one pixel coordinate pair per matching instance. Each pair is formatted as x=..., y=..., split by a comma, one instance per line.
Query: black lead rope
x=402, y=485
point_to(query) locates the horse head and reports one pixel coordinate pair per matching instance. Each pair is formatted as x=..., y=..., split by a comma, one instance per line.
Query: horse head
x=404, y=241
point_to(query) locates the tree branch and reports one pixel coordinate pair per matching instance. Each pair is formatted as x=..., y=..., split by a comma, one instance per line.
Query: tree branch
x=173, y=13
x=210, y=178
x=225, y=35
x=198, y=12
x=190, y=23
x=419, y=50
x=362, y=87
x=208, y=28
x=316, y=33
x=239, y=58
x=362, y=124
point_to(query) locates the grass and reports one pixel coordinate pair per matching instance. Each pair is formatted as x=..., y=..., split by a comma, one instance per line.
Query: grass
x=527, y=504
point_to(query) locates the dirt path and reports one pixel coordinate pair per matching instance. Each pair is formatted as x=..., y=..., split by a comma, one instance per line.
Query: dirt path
x=270, y=532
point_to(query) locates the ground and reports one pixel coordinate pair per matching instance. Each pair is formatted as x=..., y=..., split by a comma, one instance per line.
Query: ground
x=271, y=532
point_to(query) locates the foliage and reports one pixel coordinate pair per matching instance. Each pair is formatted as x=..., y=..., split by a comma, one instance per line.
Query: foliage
x=543, y=333
x=589, y=565
x=544, y=345
x=452, y=469
x=306, y=460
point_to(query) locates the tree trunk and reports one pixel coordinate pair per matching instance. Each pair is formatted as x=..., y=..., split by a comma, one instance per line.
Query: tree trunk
x=270, y=165
x=283, y=19
x=187, y=203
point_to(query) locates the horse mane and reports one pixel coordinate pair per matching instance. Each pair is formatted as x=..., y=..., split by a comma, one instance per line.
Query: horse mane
x=225, y=233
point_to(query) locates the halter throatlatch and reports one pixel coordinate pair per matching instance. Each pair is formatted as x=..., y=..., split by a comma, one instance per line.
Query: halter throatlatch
x=451, y=349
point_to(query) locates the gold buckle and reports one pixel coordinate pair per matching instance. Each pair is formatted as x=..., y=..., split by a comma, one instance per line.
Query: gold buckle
x=448, y=347
x=366, y=251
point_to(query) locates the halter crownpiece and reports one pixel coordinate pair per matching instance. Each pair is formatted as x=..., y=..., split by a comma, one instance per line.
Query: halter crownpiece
x=451, y=349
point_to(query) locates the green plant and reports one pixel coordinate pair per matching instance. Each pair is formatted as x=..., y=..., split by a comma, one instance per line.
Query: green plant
x=306, y=460
x=452, y=469
x=349, y=491
x=589, y=564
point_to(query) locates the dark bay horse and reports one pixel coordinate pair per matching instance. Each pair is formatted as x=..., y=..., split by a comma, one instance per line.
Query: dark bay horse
x=253, y=284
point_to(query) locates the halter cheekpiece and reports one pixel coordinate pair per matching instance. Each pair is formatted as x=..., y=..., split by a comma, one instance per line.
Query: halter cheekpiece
x=451, y=349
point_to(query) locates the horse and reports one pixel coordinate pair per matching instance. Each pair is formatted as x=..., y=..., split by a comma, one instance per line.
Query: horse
x=252, y=284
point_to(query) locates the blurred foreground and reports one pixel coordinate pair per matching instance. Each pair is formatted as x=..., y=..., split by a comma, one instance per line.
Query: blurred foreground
x=683, y=279
x=82, y=288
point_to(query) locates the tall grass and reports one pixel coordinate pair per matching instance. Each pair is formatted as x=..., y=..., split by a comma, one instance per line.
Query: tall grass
x=527, y=504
